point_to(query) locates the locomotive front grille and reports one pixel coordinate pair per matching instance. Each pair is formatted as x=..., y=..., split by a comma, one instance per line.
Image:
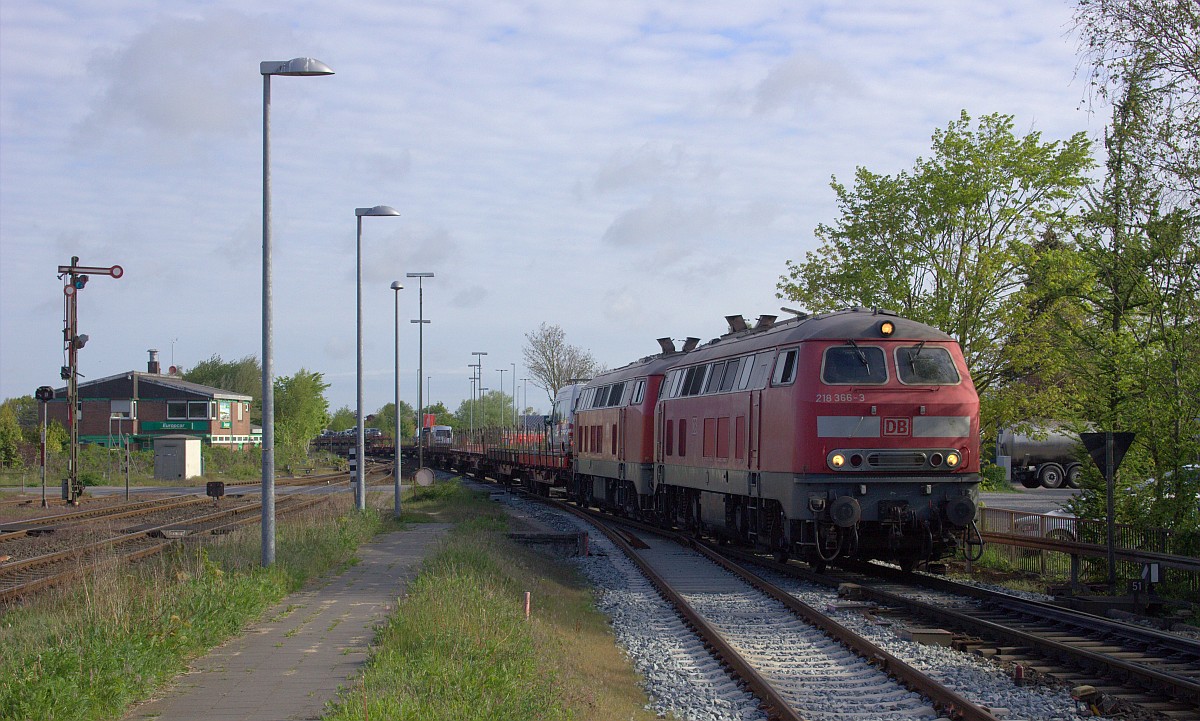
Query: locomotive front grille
x=850, y=460
x=897, y=460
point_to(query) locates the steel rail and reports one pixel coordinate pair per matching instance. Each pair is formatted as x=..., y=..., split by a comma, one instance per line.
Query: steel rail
x=12, y=592
x=773, y=703
x=946, y=700
x=49, y=523
x=1136, y=677
x=1133, y=633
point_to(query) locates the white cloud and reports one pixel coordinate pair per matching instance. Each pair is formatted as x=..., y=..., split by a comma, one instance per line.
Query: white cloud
x=584, y=163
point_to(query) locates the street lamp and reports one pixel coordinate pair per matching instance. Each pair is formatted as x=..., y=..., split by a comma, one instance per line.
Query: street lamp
x=396, y=286
x=360, y=443
x=502, y=371
x=293, y=67
x=420, y=363
x=478, y=372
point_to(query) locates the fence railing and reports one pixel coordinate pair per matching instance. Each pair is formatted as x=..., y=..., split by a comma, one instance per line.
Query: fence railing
x=1076, y=549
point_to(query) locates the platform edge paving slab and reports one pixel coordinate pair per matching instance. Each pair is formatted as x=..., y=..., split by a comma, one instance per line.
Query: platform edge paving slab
x=292, y=661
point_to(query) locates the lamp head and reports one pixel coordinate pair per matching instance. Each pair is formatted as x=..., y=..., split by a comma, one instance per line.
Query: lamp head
x=295, y=66
x=377, y=210
x=396, y=285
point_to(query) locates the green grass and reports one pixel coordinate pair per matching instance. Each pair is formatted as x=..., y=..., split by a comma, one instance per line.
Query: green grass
x=460, y=647
x=89, y=652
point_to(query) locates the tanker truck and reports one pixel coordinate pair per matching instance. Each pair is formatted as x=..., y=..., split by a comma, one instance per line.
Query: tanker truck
x=1047, y=456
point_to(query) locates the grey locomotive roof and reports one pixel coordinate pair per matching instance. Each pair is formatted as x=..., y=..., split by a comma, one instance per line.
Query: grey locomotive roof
x=860, y=324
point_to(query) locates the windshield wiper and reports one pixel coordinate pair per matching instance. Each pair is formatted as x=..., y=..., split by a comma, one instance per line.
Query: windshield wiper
x=861, y=356
x=912, y=358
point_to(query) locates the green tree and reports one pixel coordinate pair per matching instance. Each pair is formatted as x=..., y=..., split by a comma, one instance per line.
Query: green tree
x=1159, y=41
x=242, y=376
x=301, y=412
x=385, y=420
x=554, y=362
x=1130, y=317
x=10, y=437
x=947, y=242
x=342, y=419
x=492, y=410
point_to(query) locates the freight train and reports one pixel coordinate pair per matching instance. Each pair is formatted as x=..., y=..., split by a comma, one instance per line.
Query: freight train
x=847, y=434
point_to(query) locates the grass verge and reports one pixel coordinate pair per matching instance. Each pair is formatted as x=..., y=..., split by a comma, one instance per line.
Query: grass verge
x=89, y=651
x=459, y=645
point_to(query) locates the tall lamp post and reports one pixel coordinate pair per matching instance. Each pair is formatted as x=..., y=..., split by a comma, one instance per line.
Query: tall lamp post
x=293, y=67
x=502, y=372
x=396, y=286
x=360, y=443
x=478, y=382
x=514, y=395
x=420, y=363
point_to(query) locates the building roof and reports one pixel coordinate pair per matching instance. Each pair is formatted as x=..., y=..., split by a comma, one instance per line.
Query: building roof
x=164, y=381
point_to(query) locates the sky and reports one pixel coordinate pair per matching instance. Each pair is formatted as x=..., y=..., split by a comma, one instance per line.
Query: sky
x=624, y=170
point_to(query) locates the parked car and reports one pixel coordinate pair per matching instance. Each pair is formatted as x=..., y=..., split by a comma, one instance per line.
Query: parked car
x=1058, y=525
x=372, y=433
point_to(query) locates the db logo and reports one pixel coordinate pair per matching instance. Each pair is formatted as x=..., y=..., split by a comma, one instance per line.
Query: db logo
x=896, y=426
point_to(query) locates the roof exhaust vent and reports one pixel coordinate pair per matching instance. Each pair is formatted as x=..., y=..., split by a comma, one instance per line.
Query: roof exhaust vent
x=152, y=365
x=765, y=321
x=736, y=323
x=667, y=345
x=690, y=344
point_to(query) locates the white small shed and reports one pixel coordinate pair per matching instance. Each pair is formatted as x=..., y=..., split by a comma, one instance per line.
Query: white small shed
x=176, y=458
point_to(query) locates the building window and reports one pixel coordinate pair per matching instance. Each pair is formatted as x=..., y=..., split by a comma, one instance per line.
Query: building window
x=177, y=410
x=198, y=410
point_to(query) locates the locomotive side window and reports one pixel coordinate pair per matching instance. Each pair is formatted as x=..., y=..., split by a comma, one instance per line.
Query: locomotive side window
x=731, y=374
x=694, y=381
x=925, y=365
x=854, y=364
x=714, y=377
x=639, y=390
x=615, y=394
x=747, y=369
x=680, y=374
x=785, y=368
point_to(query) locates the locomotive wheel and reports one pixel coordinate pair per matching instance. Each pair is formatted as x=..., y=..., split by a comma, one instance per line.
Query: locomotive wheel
x=1073, y=474
x=780, y=556
x=1051, y=475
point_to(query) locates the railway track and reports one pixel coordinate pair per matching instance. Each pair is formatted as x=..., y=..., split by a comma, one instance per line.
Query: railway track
x=795, y=659
x=56, y=522
x=23, y=577
x=1141, y=672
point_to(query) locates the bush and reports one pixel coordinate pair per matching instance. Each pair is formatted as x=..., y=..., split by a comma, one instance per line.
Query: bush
x=991, y=478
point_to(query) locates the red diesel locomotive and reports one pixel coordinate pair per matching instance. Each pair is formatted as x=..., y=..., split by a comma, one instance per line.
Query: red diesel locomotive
x=854, y=433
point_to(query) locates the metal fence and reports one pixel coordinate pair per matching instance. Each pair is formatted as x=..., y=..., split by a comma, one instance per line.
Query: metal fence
x=1075, y=550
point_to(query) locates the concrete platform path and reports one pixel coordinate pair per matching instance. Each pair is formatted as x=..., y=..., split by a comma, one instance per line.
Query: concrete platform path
x=286, y=666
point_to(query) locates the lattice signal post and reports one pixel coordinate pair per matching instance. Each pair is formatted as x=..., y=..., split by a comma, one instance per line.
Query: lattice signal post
x=76, y=277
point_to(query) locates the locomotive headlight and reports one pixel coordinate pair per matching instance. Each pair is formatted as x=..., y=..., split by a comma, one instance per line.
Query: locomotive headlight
x=886, y=328
x=837, y=460
x=952, y=460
